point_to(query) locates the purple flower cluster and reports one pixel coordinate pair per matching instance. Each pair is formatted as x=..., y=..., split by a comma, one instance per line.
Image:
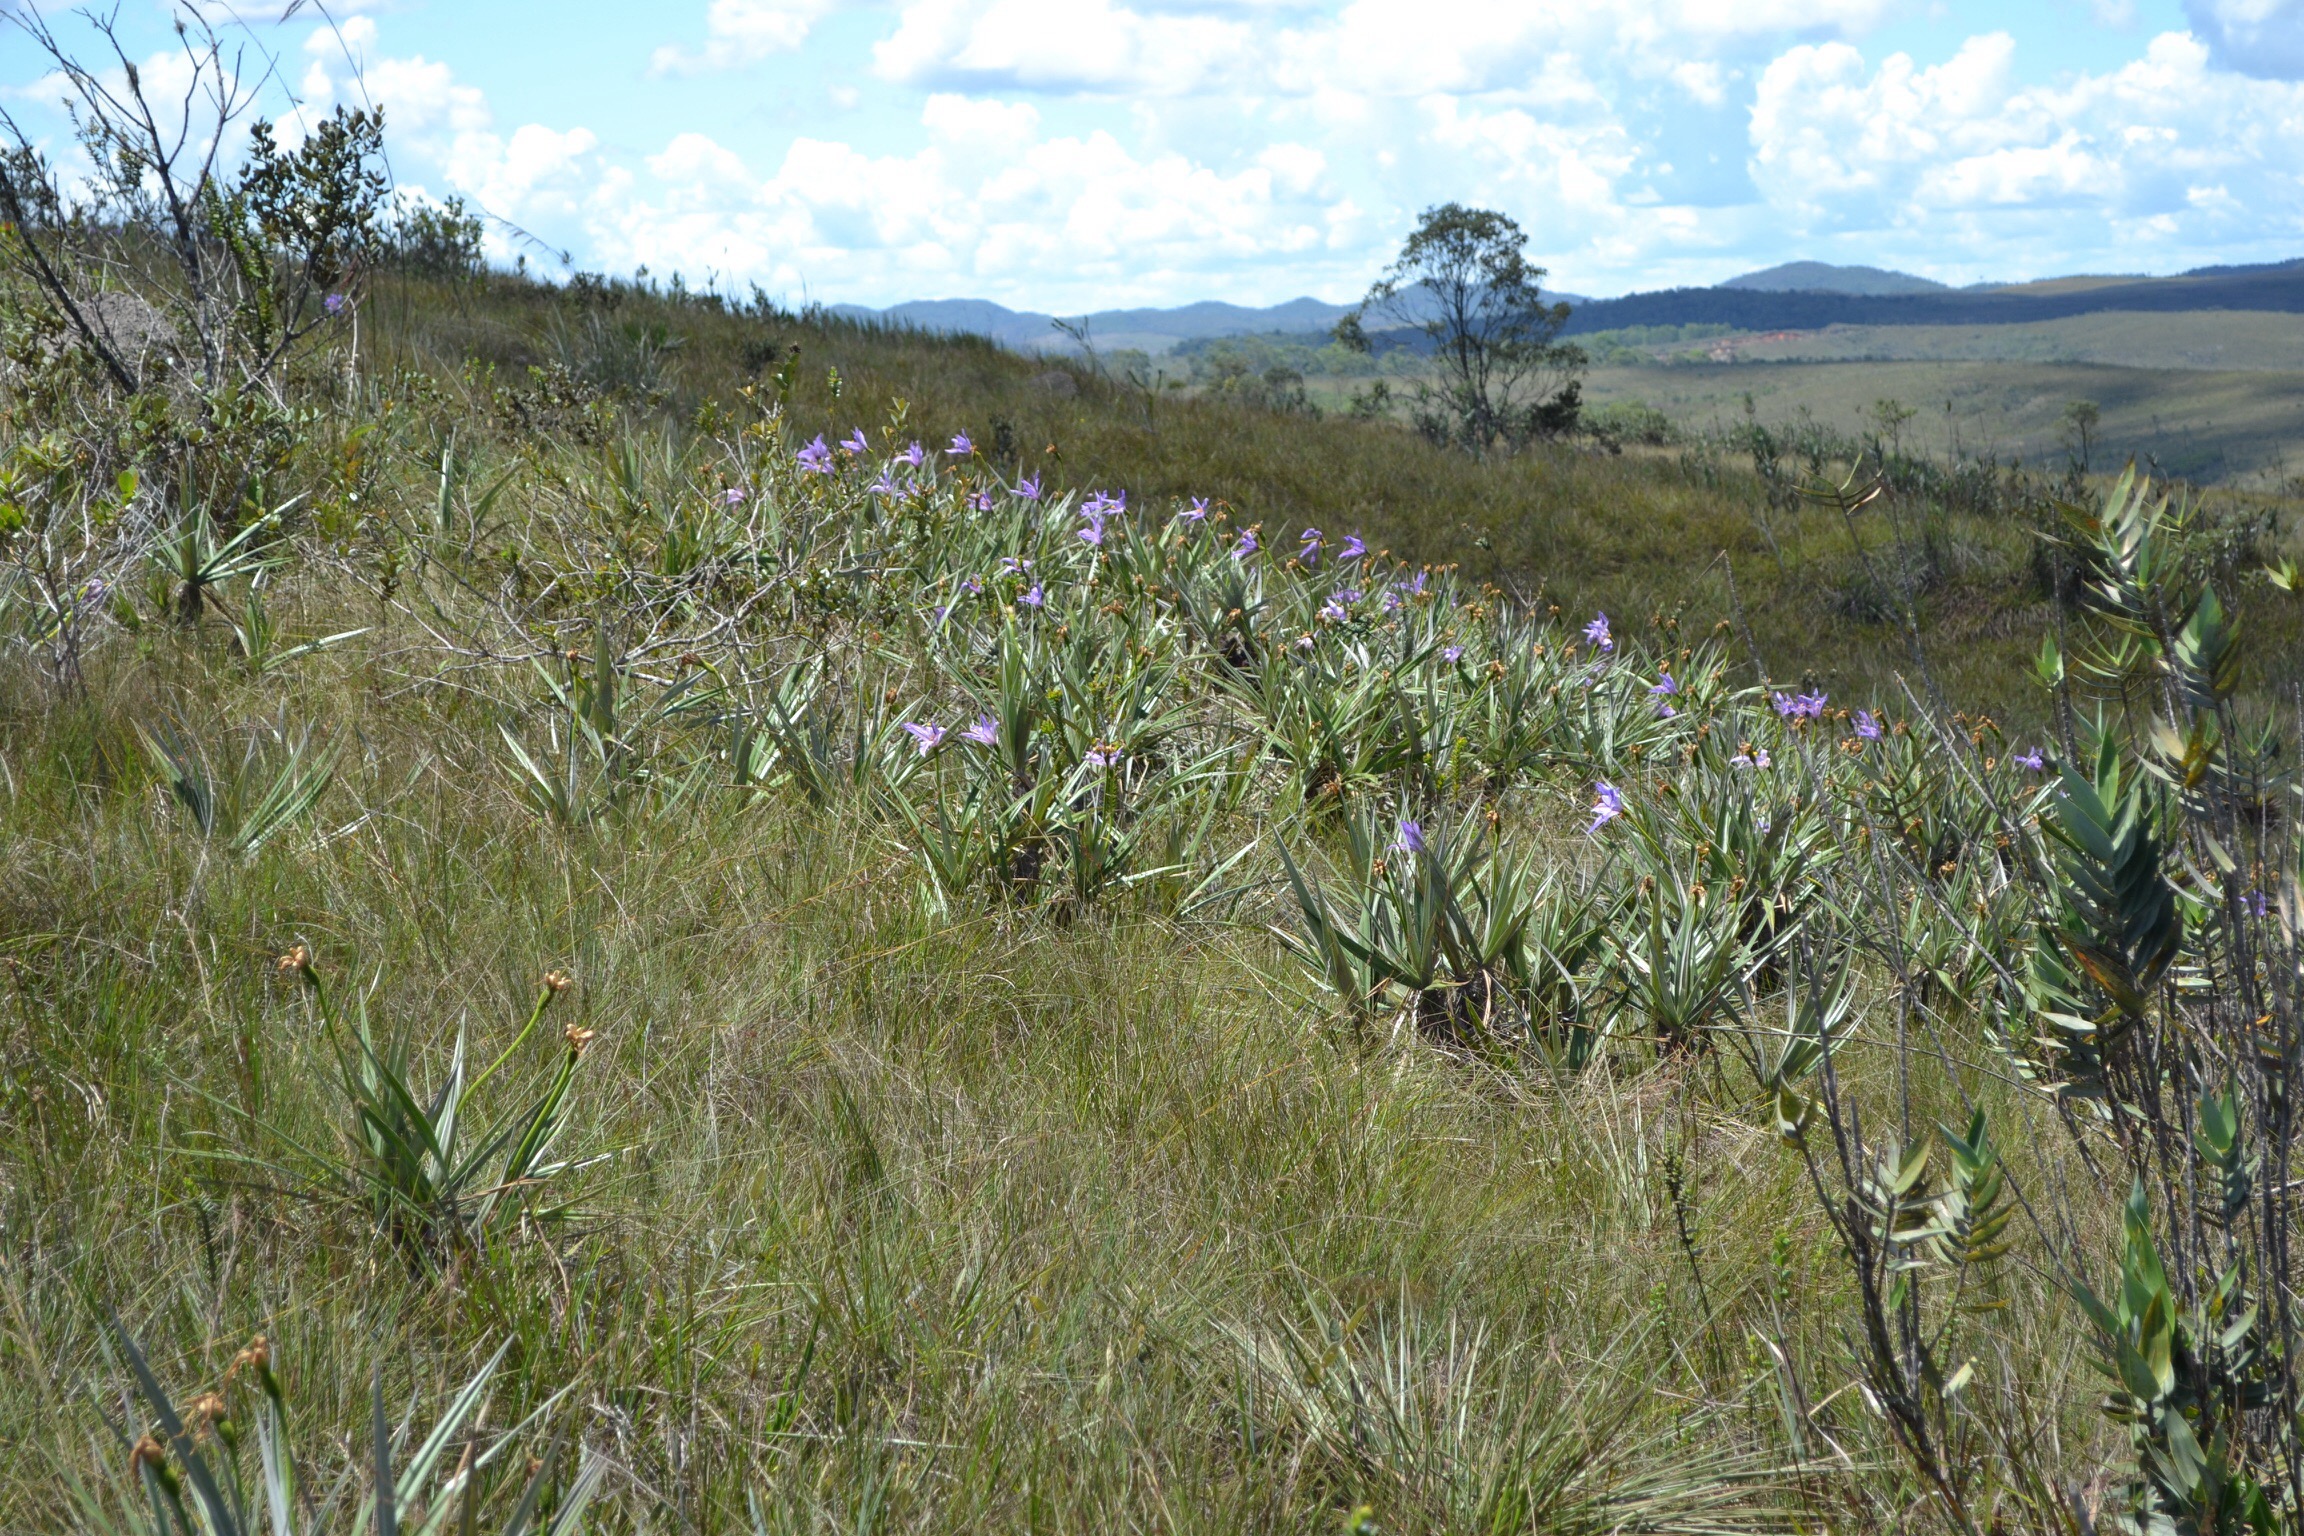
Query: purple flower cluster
x=1097, y=509
x=1799, y=706
x=1666, y=688
x=1339, y=605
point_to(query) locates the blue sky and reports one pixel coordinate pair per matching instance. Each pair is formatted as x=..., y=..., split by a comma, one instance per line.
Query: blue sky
x=1074, y=154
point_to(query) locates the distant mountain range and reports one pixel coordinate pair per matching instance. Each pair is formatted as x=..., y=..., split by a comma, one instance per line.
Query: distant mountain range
x=1151, y=330
x=1823, y=277
x=1797, y=296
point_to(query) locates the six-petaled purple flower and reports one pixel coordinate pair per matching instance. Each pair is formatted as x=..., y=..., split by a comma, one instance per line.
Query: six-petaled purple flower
x=854, y=442
x=961, y=447
x=2032, y=760
x=1607, y=805
x=1247, y=545
x=1597, y=633
x=914, y=456
x=928, y=737
x=816, y=458
x=1028, y=488
x=1353, y=549
x=985, y=732
x=1867, y=725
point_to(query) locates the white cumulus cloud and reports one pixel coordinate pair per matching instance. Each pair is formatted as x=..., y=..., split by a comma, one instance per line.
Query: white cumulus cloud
x=2255, y=37
x=741, y=32
x=2161, y=154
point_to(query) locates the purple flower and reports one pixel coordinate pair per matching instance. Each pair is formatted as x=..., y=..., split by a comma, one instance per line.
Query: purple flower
x=1664, y=711
x=1607, y=805
x=1101, y=755
x=2256, y=903
x=1665, y=686
x=1303, y=642
x=1411, y=838
x=1414, y=585
x=938, y=615
x=1757, y=758
x=1597, y=633
x=1310, y=540
x=1033, y=598
x=973, y=586
x=914, y=455
x=1333, y=610
x=1867, y=725
x=929, y=736
x=2032, y=760
x=1028, y=488
x=1197, y=512
x=334, y=303
x=884, y=486
x=1353, y=549
x=1451, y=653
x=985, y=732
x=982, y=501
x=1011, y=566
x=1811, y=704
x=1094, y=532
x=1247, y=545
x=1786, y=705
x=816, y=459
x=961, y=448
x=732, y=497
x=854, y=441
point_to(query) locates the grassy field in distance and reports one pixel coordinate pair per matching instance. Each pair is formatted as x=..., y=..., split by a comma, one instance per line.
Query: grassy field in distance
x=2231, y=427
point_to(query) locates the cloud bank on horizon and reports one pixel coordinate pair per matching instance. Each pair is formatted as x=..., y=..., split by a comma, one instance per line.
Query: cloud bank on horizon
x=1074, y=154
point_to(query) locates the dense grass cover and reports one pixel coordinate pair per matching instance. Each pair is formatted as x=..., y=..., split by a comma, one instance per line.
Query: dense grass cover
x=899, y=987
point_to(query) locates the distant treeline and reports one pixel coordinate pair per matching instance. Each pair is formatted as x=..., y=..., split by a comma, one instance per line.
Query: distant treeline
x=2258, y=288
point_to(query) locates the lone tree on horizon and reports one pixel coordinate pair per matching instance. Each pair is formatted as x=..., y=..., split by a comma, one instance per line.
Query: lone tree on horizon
x=1503, y=374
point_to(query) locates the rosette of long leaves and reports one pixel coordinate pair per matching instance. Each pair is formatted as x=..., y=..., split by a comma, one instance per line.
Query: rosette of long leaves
x=419, y=1164
x=1429, y=928
x=193, y=1476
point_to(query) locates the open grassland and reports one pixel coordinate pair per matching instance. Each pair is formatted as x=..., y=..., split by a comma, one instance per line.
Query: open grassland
x=1045, y=1014
x=2212, y=339
x=2236, y=426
